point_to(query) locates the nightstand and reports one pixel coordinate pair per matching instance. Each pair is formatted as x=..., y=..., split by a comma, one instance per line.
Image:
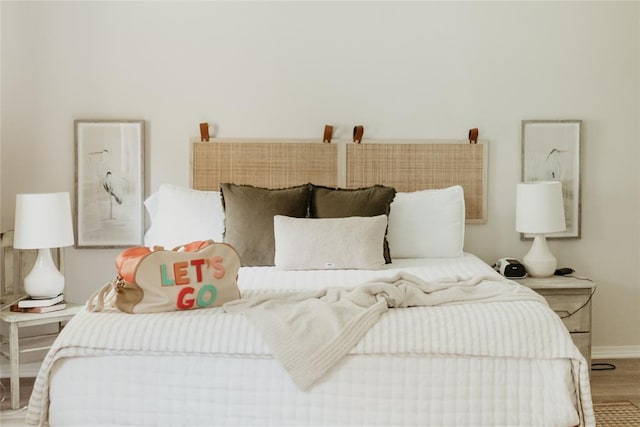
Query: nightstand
x=19, y=320
x=570, y=298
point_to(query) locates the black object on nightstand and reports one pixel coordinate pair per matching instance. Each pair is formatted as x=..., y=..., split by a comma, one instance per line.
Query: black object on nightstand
x=564, y=271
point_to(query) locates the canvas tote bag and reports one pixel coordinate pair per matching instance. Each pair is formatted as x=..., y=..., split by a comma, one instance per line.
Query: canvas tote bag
x=198, y=275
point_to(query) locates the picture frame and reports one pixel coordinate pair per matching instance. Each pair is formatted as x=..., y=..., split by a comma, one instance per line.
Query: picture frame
x=109, y=183
x=551, y=151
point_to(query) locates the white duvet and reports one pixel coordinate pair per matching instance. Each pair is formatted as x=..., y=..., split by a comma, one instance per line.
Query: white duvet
x=515, y=344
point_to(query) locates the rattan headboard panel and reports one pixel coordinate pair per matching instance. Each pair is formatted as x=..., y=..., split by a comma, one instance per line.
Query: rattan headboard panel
x=411, y=167
x=405, y=166
x=263, y=164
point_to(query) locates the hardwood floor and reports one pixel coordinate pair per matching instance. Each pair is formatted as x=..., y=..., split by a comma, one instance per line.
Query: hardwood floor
x=26, y=384
x=621, y=383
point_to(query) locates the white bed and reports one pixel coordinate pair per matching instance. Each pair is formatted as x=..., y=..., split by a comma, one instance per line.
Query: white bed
x=388, y=378
x=500, y=363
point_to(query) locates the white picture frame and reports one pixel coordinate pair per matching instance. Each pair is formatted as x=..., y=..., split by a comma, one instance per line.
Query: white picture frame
x=109, y=183
x=551, y=151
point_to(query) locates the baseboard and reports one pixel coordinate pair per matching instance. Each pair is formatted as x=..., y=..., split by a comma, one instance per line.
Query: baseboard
x=616, y=352
x=27, y=370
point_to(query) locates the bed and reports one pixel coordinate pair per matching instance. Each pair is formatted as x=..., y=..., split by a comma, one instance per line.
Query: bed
x=501, y=361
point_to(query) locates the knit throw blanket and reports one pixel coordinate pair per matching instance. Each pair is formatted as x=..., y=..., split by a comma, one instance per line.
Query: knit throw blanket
x=310, y=332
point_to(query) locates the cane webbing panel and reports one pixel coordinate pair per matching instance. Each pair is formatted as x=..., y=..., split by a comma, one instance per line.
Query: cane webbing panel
x=268, y=164
x=405, y=166
x=411, y=167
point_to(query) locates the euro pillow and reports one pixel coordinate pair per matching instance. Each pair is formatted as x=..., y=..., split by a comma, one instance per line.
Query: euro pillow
x=180, y=215
x=329, y=202
x=249, y=213
x=427, y=223
x=329, y=243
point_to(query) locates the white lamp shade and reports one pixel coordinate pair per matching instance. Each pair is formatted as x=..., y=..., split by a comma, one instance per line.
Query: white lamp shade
x=43, y=221
x=540, y=207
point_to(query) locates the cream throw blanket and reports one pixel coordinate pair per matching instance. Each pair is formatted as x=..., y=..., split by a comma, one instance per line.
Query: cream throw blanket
x=310, y=332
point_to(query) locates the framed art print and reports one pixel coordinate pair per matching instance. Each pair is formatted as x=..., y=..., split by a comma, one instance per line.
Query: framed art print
x=551, y=152
x=109, y=183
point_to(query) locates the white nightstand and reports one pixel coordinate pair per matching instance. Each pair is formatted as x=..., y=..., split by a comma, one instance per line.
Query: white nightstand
x=570, y=298
x=18, y=320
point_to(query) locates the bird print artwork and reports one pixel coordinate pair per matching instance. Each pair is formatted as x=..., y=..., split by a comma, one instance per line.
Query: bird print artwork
x=551, y=152
x=107, y=184
x=554, y=164
x=112, y=184
x=558, y=169
x=109, y=179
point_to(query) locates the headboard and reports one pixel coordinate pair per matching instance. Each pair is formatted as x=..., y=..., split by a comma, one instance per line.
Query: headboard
x=268, y=163
x=405, y=165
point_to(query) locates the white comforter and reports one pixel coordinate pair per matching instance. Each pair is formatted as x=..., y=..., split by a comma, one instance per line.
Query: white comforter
x=309, y=332
x=520, y=329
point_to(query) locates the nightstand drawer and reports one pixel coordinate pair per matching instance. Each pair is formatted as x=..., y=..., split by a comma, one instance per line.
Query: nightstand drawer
x=573, y=307
x=570, y=298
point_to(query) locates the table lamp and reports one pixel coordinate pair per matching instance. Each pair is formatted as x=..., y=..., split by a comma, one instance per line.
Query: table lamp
x=540, y=210
x=42, y=222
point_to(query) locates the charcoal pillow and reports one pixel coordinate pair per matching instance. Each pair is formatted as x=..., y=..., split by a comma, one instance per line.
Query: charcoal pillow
x=249, y=213
x=329, y=202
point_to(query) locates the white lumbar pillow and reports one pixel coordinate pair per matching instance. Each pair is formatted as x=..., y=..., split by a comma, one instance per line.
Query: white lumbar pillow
x=427, y=223
x=329, y=243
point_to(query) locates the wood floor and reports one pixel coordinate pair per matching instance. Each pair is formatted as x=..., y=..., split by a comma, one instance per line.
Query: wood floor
x=621, y=383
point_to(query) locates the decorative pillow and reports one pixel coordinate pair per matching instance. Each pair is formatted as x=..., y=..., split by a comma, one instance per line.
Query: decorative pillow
x=329, y=243
x=427, y=223
x=183, y=215
x=249, y=213
x=340, y=202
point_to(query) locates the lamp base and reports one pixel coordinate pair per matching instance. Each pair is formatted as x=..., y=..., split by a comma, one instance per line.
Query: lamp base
x=540, y=262
x=44, y=280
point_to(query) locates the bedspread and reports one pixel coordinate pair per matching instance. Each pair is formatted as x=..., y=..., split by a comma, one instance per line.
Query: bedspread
x=311, y=332
x=513, y=329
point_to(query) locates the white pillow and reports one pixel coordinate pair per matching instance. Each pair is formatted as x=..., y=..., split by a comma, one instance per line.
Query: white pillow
x=151, y=204
x=427, y=224
x=329, y=243
x=182, y=215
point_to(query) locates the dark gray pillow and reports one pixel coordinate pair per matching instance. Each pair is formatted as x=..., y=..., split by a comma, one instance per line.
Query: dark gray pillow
x=329, y=202
x=249, y=213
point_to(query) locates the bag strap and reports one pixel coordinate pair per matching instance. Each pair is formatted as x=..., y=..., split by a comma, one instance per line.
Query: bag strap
x=196, y=246
x=99, y=298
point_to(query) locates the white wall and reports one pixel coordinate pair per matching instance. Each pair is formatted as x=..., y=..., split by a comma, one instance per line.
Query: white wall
x=407, y=70
x=1, y=229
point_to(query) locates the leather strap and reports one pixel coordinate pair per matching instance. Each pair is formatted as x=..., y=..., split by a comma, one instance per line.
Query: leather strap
x=473, y=136
x=101, y=296
x=204, y=132
x=328, y=133
x=358, y=132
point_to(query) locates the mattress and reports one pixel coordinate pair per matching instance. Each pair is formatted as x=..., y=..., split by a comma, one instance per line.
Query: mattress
x=498, y=371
